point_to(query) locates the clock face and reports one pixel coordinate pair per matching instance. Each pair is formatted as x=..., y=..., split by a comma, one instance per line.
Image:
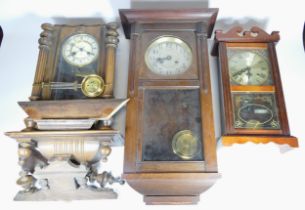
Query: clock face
x=80, y=50
x=168, y=55
x=255, y=111
x=249, y=67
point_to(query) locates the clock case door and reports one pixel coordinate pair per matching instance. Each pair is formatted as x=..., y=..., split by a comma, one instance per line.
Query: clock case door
x=256, y=38
x=182, y=180
x=52, y=67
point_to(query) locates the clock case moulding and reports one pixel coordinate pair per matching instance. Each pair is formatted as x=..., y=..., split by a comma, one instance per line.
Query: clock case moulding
x=168, y=182
x=255, y=37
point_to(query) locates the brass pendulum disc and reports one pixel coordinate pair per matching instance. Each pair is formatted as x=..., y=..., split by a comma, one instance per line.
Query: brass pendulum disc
x=185, y=144
x=92, y=85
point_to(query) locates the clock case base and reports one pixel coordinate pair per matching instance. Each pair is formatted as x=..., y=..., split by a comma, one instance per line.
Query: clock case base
x=67, y=151
x=177, y=188
x=229, y=140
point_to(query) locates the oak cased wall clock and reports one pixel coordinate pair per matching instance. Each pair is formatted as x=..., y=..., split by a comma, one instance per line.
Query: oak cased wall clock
x=253, y=106
x=170, y=147
x=75, y=62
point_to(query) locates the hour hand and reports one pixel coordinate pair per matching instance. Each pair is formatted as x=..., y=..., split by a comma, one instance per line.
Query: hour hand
x=161, y=60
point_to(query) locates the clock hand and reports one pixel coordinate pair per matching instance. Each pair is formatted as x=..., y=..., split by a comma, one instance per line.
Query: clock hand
x=249, y=72
x=168, y=57
x=165, y=58
x=242, y=71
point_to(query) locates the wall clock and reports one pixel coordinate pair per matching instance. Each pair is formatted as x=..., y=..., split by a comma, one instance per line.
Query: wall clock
x=64, y=141
x=253, y=106
x=75, y=62
x=170, y=148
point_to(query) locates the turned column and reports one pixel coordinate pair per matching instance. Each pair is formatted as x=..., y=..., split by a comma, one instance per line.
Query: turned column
x=26, y=180
x=44, y=46
x=111, y=45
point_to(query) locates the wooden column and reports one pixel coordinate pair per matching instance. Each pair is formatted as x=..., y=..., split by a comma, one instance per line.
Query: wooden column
x=44, y=45
x=111, y=45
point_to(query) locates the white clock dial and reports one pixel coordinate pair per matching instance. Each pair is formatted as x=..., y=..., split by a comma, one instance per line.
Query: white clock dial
x=168, y=55
x=80, y=50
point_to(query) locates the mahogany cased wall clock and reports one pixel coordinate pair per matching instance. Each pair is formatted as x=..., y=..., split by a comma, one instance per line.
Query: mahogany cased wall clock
x=170, y=147
x=253, y=106
x=75, y=62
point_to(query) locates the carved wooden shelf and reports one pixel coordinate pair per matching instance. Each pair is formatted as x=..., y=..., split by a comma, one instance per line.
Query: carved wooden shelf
x=73, y=109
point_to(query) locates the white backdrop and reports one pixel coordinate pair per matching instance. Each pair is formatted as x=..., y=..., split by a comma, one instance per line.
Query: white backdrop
x=253, y=176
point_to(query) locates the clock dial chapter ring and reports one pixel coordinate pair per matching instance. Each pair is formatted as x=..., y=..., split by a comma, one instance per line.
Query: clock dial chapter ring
x=80, y=49
x=168, y=55
x=185, y=144
x=249, y=68
x=92, y=85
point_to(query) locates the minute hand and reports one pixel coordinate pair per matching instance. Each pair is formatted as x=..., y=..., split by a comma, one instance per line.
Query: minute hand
x=241, y=71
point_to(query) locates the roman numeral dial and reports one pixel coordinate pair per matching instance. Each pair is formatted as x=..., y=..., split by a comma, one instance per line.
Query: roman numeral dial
x=80, y=50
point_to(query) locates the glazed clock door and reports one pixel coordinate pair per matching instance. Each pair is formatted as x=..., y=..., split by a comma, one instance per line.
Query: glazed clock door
x=253, y=98
x=79, y=55
x=171, y=125
x=170, y=113
x=75, y=62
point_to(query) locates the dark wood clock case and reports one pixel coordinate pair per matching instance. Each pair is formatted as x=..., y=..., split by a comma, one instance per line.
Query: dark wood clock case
x=157, y=108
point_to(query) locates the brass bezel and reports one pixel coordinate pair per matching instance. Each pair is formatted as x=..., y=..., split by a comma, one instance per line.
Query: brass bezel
x=167, y=38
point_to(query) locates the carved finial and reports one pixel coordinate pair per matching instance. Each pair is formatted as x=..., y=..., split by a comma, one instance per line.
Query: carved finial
x=112, y=25
x=45, y=35
x=112, y=34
